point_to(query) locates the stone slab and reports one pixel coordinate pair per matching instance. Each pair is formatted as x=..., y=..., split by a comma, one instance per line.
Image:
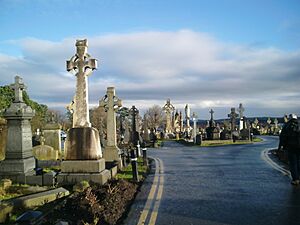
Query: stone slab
x=83, y=166
x=74, y=178
x=38, y=199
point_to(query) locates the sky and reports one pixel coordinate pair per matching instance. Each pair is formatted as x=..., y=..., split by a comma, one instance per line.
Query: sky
x=208, y=54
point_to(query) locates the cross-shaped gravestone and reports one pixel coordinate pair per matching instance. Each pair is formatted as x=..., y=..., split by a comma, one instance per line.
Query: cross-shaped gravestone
x=111, y=103
x=211, y=114
x=269, y=121
x=18, y=87
x=233, y=115
x=168, y=108
x=241, y=110
x=83, y=65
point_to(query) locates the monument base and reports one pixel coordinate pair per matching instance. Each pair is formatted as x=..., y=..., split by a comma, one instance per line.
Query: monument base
x=17, y=165
x=75, y=171
x=83, y=143
x=17, y=169
x=74, y=178
x=111, y=154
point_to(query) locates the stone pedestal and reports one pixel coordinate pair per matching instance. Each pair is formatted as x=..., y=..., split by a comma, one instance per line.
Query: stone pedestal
x=75, y=171
x=83, y=143
x=83, y=158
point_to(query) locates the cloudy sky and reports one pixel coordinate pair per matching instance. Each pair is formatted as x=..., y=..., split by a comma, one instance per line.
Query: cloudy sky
x=209, y=54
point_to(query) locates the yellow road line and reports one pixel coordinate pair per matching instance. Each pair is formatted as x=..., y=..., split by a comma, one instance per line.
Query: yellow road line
x=150, y=198
x=158, y=197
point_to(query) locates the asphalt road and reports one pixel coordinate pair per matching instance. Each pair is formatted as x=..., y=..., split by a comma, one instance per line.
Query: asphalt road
x=224, y=185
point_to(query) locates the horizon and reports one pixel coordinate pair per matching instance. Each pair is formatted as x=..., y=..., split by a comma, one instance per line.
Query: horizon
x=208, y=54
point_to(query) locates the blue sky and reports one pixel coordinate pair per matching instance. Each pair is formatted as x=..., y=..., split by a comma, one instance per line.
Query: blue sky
x=218, y=43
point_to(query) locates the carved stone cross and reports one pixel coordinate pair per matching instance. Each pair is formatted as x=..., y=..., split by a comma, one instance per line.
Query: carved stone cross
x=233, y=115
x=83, y=65
x=111, y=103
x=18, y=87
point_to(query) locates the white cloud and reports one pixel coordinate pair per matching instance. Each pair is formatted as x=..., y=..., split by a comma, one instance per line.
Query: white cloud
x=149, y=67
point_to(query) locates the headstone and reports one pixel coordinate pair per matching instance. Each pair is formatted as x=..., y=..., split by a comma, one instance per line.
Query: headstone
x=52, y=134
x=45, y=152
x=198, y=139
x=19, y=161
x=169, y=109
x=111, y=103
x=83, y=155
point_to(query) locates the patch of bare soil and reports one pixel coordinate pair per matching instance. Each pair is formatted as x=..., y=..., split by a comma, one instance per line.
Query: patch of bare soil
x=101, y=205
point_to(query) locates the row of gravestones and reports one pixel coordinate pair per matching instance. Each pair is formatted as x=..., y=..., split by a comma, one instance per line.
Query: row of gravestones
x=84, y=159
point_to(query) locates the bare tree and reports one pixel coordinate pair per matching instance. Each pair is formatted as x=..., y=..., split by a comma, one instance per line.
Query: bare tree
x=155, y=117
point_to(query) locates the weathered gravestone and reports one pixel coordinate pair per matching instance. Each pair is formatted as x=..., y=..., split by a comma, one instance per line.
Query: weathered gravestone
x=83, y=155
x=111, y=103
x=19, y=162
x=45, y=152
x=52, y=133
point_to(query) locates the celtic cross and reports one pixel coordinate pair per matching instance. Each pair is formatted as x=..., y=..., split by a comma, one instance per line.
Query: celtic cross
x=82, y=63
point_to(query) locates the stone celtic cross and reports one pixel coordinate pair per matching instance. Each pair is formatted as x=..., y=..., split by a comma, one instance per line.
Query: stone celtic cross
x=83, y=65
x=111, y=103
x=233, y=115
x=18, y=88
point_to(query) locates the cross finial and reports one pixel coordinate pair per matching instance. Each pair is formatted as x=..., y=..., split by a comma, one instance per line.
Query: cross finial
x=18, y=87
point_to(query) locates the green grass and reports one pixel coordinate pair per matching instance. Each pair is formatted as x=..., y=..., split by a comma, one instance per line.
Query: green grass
x=213, y=143
x=126, y=173
x=52, y=168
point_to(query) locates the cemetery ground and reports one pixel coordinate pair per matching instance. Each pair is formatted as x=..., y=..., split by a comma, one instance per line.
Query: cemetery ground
x=87, y=203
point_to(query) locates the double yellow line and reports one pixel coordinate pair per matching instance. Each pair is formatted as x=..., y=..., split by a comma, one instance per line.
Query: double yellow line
x=149, y=214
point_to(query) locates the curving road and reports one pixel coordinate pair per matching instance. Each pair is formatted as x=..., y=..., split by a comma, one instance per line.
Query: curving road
x=223, y=185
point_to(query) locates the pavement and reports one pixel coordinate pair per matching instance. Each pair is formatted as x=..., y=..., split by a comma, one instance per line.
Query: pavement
x=234, y=184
